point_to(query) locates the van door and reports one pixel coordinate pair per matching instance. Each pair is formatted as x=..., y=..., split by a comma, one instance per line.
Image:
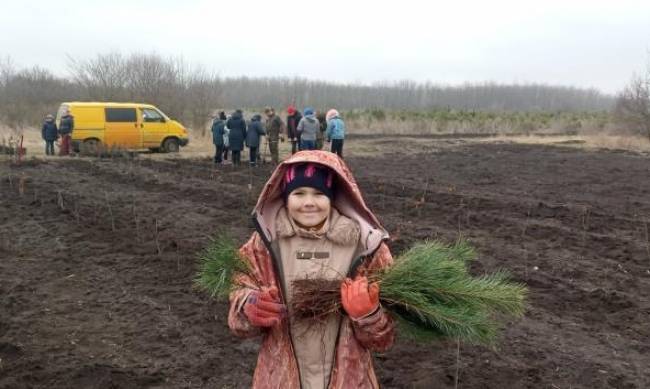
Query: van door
x=89, y=123
x=122, y=129
x=154, y=127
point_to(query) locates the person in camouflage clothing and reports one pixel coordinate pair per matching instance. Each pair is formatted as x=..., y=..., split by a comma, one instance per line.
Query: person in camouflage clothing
x=274, y=128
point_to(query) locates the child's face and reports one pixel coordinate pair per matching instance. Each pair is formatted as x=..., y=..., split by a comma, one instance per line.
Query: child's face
x=308, y=206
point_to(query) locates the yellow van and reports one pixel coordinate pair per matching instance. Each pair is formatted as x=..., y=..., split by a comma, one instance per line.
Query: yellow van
x=125, y=125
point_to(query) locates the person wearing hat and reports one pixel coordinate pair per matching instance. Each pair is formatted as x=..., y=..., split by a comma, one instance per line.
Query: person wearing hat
x=218, y=132
x=66, y=126
x=274, y=128
x=312, y=223
x=320, y=135
x=335, y=131
x=308, y=129
x=293, y=118
x=50, y=134
x=253, y=134
x=237, y=136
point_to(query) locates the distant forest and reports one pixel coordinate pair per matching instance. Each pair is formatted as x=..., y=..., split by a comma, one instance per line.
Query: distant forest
x=192, y=94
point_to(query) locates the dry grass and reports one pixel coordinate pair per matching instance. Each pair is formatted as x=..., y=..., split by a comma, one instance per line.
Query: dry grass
x=199, y=146
x=588, y=141
x=202, y=147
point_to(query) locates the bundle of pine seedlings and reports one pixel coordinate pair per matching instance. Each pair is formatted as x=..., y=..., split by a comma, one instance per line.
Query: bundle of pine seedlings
x=428, y=290
x=430, y=293
x=219, y=263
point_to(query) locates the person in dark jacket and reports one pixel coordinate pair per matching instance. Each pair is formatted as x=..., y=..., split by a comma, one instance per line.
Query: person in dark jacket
x=66, y=126
x=50, y=134
x=218, y=126
x=253, y=134
x=320, y=136
x=237, y=126
x=293, y=118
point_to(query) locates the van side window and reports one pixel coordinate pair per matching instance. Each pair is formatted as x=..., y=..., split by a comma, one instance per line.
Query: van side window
x=152, y=116
x=121, y=115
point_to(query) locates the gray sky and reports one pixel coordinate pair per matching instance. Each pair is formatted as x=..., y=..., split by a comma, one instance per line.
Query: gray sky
x=593, y=43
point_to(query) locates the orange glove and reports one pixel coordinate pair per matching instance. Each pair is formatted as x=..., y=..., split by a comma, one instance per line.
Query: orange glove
x=358, y=298
x=264, y=308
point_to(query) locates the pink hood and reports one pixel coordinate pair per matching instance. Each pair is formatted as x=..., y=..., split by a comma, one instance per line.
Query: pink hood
x=347, y=200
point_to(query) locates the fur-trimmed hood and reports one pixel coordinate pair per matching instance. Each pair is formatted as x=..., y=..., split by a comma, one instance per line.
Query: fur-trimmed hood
x=348, y=199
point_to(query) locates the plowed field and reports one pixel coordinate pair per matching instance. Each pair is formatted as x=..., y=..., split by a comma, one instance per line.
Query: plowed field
x=97, y=259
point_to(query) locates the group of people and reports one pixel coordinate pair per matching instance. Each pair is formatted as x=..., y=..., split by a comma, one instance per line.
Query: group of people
x=51, y=133
x=306, y=131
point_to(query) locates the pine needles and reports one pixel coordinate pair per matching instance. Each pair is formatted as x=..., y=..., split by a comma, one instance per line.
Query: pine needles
x=218, y=264
x=428, y=290
x=431, y=294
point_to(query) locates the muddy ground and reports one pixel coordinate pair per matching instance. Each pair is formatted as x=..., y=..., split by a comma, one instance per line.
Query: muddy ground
x=97, y=259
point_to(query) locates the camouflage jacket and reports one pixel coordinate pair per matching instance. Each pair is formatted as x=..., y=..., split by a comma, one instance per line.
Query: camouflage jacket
x=274, y=126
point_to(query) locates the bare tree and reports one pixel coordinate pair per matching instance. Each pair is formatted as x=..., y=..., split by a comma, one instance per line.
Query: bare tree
x=104, y=77
x=202, y=95
x=180, y=91
x=155, y=80
x=633, y=104
x=191, y=93
x=28, y=94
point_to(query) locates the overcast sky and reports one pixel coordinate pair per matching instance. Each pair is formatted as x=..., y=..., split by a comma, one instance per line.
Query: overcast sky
x=580, y=43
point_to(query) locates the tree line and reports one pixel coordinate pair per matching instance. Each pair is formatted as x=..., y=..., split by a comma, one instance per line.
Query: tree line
x=192, y=93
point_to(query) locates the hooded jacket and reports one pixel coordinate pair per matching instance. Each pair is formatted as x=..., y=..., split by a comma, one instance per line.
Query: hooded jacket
x=237, y=135
x=49, y=131
x=308, y=127
x=335, y=128
x=66, y=126
x=218, y=131
x=277, y=365
x=255, y=131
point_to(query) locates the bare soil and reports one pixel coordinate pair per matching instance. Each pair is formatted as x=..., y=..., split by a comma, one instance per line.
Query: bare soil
x=97, y=259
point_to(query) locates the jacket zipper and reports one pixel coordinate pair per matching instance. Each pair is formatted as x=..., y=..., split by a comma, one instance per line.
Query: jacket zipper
x=279, y=273
x=353, y=269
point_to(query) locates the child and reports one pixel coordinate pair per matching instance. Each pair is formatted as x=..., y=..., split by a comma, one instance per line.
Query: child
x=218, y=136
x=312, y=222
x=50, y=134
x=253, y=134
x=308, y=128
x=335, y=131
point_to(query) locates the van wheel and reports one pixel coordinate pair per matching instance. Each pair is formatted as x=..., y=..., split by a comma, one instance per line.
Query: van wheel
x=90, y=147
x=171, y=146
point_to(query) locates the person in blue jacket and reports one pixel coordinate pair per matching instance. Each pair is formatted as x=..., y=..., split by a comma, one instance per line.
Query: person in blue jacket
x=50, y=134
x=335, y=131
x=253, y=134
x=218, y=126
